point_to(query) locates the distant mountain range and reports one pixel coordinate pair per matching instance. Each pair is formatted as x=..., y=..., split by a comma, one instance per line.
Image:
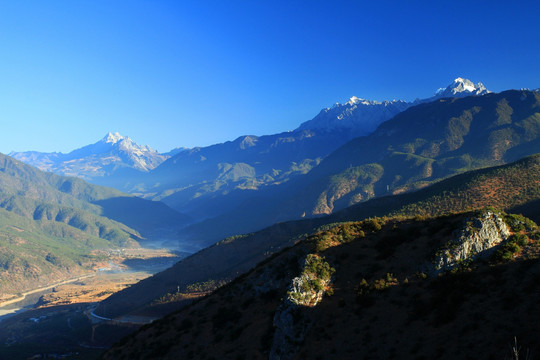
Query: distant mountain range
x=419, y=146
x=210, y=181
x=517, y=190
x=361, y=116
x=377, y=174
x=283, y=199
x=104, y=158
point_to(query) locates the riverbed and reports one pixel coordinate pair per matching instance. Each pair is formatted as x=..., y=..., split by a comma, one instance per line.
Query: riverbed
x=102, y=282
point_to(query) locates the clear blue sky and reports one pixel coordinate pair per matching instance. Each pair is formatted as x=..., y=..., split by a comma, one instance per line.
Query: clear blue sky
x=194, y=73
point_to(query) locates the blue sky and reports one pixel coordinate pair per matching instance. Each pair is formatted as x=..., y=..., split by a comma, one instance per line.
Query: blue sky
x=194, y=73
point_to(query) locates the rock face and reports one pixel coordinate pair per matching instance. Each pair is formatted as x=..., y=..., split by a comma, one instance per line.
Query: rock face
x=301, y=292
x=291, y=329
x=290, y=322
x=474, y=240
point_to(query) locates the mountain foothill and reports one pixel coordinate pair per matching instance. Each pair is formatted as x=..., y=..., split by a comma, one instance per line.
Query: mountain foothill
x=420, y=214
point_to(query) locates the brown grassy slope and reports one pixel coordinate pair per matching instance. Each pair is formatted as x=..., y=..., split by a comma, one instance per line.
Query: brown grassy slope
x=506, y=187
x=470, y=314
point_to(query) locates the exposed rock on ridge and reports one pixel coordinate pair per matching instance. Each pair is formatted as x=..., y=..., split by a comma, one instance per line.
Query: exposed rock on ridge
x=474, y=240
x=290, y=322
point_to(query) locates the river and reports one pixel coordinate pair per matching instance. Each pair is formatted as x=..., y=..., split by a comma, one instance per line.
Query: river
x=144, y=267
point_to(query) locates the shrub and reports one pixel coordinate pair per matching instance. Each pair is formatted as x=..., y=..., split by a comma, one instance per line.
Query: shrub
x=380, y=285
x=362, y=288
x=520, y=239
x=318, y=267
x=374, y=224
x=520, y=223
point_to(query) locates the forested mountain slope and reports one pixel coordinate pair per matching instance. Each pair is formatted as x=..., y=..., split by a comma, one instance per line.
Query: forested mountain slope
x=422, y=145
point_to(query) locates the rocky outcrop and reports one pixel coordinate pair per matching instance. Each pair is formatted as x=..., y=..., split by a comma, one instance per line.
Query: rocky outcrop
x=291, y=326
x=475, y=239
x=290, y=321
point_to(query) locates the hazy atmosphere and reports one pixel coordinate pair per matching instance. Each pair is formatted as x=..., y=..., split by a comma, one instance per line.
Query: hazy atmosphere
x=276, y=180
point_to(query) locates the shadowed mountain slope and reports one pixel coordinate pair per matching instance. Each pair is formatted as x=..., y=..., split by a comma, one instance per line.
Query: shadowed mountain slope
x=362, y=290
x=422, y=145
x=507, y=187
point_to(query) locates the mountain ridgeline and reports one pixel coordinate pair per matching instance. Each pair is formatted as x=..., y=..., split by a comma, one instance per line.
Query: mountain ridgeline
x=113, y=156
x=210, y=181
x=442, y=284
x=334, y=230
x=53, y=227
x=513, y=187
x=418, y=147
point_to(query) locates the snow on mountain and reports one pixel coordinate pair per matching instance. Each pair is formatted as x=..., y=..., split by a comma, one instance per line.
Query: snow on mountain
x=113, y=138
x=341, y=122
x=461, y=88
x=361, y=116
x=102, y=158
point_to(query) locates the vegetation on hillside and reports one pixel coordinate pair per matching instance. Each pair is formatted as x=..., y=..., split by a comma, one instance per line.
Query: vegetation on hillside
x=377, y=280
x=417, y=148
x=49, y=228
x=515, y=184
x=429, y=142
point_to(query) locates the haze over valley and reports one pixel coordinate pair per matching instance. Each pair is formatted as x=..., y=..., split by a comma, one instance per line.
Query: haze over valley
x=269, y=181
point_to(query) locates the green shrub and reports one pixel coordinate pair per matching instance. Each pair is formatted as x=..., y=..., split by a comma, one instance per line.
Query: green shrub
x=380, y=285
x=318, y=267
x=520, y=223
x=362, y=288
x=373, y=224
x=520, y=239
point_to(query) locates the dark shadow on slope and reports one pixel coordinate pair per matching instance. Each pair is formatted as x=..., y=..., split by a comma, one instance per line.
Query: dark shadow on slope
x=147, y=217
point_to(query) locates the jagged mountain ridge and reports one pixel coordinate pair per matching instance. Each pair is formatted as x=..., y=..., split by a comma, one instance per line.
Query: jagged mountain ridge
x=210, y=181
x=100, y=159
x=362, y=116
x=419, y=146
x=358, y=115
x=206, y=182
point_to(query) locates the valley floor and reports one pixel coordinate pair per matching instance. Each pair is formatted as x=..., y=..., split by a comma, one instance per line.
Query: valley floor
x=65, y=309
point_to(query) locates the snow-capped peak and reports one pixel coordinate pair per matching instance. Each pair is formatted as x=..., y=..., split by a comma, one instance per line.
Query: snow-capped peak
x=356, y=100
x=362, y=116
x=353, y=100
x=113, y=138
x=462, y=87
x=465, y=84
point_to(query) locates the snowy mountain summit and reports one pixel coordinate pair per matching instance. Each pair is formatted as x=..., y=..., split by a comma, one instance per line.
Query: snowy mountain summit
x=108, y=155
x=360, y=117
x=140, y=157
x=113, y=138
x=462, y=87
